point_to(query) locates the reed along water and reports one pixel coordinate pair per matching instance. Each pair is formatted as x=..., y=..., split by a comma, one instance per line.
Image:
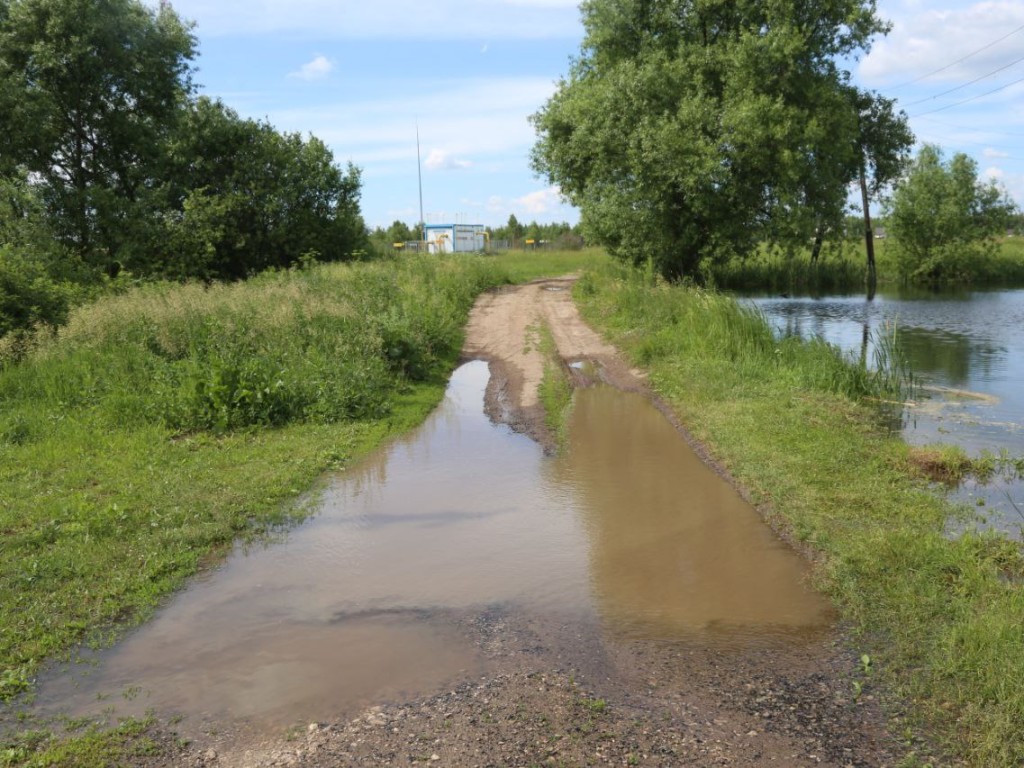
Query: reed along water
x=369, y=601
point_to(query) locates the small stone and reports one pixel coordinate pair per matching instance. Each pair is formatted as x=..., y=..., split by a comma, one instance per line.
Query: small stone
x=435, y=756
x=210, y=755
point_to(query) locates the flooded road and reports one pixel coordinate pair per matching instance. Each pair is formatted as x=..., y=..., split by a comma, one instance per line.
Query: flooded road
x=627, y=535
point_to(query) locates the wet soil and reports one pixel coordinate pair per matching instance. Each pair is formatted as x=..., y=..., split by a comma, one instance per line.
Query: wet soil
x=633, y=682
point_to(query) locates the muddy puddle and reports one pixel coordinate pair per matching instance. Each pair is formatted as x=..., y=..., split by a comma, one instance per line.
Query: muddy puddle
x=626, y=535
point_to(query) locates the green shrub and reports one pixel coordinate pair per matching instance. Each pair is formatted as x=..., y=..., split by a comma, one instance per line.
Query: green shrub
x=28, y=295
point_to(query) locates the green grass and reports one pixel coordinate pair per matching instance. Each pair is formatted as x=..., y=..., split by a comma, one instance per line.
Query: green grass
x=128, y=743
x=522, y=266
x=939, y=617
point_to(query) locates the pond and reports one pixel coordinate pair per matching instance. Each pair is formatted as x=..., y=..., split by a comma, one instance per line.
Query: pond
x=967, y=350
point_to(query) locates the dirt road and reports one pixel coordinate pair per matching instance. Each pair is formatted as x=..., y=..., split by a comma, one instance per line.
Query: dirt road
x=563, y=695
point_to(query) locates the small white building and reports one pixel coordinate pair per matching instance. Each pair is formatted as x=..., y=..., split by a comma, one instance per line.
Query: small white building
x=455, y=238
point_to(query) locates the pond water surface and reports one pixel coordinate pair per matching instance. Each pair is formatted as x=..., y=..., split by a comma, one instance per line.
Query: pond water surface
x=966, y=347
x=369, y=600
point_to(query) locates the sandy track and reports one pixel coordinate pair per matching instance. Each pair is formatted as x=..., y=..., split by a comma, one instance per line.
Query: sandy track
x=562, y=695
x=503, y=329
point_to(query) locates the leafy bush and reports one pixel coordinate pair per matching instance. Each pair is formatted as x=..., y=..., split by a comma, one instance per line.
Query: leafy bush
x=28, y=295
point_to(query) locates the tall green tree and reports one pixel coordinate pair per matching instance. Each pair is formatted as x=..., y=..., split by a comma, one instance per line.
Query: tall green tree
x=944, y=219
x=689, y=131
x=240, y=197
x=884, y=140
x=88, y=91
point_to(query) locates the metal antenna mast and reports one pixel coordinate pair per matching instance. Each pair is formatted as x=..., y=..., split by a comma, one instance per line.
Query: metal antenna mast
x=419, y=173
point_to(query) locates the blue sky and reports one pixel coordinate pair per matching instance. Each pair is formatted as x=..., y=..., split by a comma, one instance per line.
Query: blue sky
x=363, y=75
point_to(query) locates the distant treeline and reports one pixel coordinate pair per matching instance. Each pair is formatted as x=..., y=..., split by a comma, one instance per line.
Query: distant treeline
x=111, y=168
x=560, y=235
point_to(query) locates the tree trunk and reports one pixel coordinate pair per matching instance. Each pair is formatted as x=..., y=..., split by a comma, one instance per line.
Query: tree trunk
x=869, y=235
x=819, y=234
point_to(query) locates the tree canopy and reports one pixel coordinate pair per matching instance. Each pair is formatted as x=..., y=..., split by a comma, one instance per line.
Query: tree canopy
x=944, y=218
x=239, y=197
x=108, y=161
x=88, y=91
x=689, y=131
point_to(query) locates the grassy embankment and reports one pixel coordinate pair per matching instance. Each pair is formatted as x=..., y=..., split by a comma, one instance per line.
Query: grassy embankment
x=939, y=617
x=843, y=270
x=159, y=426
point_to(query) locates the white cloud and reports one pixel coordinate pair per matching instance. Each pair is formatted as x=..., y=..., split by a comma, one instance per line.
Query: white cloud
x=392, y=19
x=442, y=160
x=994, y=153
x=1012, y=183
x=541, y=202
x=925, y=38
x=317, y=69
x=481, y=118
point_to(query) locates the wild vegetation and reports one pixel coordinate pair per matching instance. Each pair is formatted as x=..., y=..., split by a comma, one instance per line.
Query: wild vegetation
x=841, y=268
x=110, y=167
x=945, y=220
x=698, y=137
x=937, y=616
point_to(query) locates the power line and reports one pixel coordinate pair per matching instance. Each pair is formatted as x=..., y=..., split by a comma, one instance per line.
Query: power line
x=973, y=98
x=973, y=128
x=958, y=61
x=960, y=87
x=985, y=145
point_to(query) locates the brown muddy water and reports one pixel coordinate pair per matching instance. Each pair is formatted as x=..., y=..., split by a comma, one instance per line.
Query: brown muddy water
x=627, y=532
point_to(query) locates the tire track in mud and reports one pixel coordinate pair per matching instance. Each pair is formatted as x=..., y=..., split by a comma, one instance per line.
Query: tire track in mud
x=503, y=330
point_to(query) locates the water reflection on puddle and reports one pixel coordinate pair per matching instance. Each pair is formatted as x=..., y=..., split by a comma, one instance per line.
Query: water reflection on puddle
x=367, y=601
x=674, y=550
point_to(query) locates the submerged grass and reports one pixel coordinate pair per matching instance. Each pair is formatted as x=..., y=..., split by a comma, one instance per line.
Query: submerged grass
x=940, y=617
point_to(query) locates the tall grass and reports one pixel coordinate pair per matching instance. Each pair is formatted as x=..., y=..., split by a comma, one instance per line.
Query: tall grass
x=324, y=345
x=706, y=327
x=940, y=617
x=843, y=270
